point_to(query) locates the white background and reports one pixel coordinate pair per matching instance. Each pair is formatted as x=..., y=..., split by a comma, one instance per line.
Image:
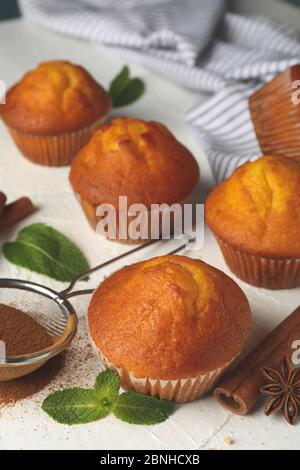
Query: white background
x=199, y=425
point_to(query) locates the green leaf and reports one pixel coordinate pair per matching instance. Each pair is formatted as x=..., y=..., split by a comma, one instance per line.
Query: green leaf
x=142, y=409
x=132, y=93
x=44, y=250
x=74, y=406
x=78, y=405
x=124, y=90
x=119, y=83
x=107, y=388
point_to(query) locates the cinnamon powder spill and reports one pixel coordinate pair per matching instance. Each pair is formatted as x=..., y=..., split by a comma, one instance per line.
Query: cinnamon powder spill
x=78, y=366
x=16, y=390
x=21, y=333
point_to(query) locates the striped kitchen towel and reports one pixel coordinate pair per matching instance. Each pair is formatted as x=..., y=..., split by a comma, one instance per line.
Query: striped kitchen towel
x=194, y=42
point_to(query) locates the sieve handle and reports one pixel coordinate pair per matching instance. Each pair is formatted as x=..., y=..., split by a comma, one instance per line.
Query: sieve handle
x=68, y=292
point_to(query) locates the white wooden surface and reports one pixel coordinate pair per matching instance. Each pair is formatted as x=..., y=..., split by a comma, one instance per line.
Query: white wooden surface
x=199, y=425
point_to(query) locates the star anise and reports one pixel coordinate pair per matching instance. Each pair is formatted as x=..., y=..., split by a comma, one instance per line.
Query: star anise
x=283, y=390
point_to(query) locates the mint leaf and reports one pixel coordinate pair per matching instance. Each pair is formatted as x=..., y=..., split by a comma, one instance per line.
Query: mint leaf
x=74, y=406
x=44, y=250
x=124, y=90
x=107, y=388
x=132, y=93
x=78, y=405
x=142, y=409
x=119, y=83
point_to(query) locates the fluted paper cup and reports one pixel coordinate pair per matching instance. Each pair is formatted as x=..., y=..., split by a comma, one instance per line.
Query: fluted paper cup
x=178, y=390
x=90, y=211
x=53, y=150
x=269, y=273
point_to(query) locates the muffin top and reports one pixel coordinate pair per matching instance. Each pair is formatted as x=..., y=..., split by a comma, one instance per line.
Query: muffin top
x=134, y=158
x=169, y=317
x=56, y=97
x=257, y=209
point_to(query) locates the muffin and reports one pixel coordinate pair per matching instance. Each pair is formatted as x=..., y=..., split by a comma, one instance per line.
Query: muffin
x=134, y=158
x=275, y=112
x=170, y=326
x=255, y=216
x=53, y=110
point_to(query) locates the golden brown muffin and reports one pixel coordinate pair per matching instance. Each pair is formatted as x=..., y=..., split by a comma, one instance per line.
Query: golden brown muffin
x=170, y=318
x=255, y=215
x=56, y=99
x=134, y=158
x=274, y=109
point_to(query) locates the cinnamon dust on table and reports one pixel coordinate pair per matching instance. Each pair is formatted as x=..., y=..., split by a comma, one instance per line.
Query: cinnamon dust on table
x=23, y=335
x=77, y=366
x=16, y=390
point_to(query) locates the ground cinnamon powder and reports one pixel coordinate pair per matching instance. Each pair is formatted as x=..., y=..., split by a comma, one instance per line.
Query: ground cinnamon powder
x=23, y=335
x=16, y=390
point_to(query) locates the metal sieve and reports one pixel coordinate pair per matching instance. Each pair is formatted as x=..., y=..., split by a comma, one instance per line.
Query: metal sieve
x=52, y=310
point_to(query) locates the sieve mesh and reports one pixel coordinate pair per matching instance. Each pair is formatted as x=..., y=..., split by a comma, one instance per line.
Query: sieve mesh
x=52, y=311
x=43, y=310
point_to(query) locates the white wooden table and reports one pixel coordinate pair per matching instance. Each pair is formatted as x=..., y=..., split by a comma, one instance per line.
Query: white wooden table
x=199, y=425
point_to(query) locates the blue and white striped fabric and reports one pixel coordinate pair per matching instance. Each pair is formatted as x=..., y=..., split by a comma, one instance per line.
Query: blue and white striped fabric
x=195, y=43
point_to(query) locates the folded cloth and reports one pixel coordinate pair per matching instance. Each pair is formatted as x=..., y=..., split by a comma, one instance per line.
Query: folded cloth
x=195, y=43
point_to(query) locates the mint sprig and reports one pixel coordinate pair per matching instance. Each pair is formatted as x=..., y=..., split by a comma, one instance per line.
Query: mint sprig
x=74, y=406
x=44, y=250
x=78, y=405
x=125, y=90
x=135, y=408
x=107, y=387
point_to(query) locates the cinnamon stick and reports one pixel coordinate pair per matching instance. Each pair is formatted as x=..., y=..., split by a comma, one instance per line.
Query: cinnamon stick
x=240, y=390
x=16, y=211
x=2, y=202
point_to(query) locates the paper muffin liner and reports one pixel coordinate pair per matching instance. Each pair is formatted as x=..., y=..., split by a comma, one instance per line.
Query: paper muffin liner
x=90, y=209
x=178, y=390
x=270, y=273
x=54, y=150
x=276, y=117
